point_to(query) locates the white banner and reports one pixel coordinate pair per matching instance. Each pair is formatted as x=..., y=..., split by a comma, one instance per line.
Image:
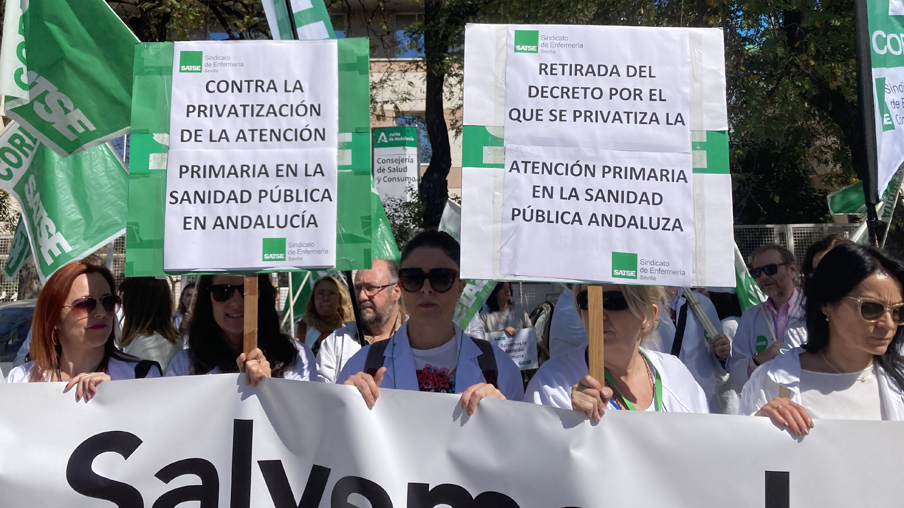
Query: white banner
x=521, y=348
x=253, y=156
x=166, y=441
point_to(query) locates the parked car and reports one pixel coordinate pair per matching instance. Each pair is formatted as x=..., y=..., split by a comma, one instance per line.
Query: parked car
x=15, y=322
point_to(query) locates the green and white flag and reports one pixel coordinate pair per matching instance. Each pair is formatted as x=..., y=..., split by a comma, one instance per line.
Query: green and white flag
x=311, y=19
x=850, y=199
x=886, y=24
x=19, y=251
x=749, y=293
x=70, y=206
x=477, y=290
x=80, y=59
x=12, y=53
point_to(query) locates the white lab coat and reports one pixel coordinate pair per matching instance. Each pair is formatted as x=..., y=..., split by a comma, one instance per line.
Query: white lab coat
x=696, y=354
x=551, y=386
x=302, y=370
x=566, y=330
x=117, y=369
x=335, y=352
x=401, y=373
x=784, y=370
x=752, y=325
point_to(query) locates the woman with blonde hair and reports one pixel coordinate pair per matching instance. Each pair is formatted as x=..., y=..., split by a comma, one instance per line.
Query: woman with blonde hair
x=636, y=378
x=328, y=309
x=148, y=332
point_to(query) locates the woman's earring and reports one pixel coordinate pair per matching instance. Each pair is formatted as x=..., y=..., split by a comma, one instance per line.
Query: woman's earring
x=56, y=338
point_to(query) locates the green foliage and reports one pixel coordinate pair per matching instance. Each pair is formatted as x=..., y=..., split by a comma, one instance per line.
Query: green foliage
x=172, y=20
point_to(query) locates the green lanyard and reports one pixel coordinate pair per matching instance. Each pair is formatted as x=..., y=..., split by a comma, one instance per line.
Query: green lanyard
x=657, y=387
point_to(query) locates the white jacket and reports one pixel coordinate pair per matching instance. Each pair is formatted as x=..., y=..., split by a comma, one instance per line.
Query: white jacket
x=752, y=326
x=117, y=369
x=784, y=370
x=335, y=351
x=566, y=330
x=551, y=386
x=399, y=361
x=301, y=370
x=695, y=352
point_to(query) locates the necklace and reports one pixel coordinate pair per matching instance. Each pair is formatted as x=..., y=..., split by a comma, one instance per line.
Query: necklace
x=56, y=371
x=862, y=378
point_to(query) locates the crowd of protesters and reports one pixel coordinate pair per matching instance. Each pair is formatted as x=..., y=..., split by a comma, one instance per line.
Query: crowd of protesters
x=825, y=346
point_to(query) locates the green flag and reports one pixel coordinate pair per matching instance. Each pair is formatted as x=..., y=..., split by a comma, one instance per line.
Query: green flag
x=79, y=76
x=70, y=206
x=12, y=53
x=311, y=19
x=749, y=293
x=477, y=290
x=19, y=251
x=384, y=244
x=848, y=200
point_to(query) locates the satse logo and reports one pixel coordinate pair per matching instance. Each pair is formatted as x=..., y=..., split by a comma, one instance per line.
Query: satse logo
x=274, y=249
x=624, y=265
x=191, y=61
x=527, y=41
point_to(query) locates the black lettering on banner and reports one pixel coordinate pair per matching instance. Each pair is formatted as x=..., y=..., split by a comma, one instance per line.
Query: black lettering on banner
x=85, y=481
x=281, y=492
x=778, y=489
x=420, y=495
x=208, y=492
x=349, y=485
x=242, y=433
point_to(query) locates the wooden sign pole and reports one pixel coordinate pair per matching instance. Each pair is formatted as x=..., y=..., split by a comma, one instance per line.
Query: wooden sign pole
x=595, y=337
x=249, y=341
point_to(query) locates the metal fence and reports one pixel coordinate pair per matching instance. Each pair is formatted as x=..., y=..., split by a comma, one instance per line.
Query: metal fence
x=795, y=237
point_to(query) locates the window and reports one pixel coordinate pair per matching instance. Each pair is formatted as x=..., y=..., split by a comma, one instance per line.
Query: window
x=424, y=149
x=408, y=46
x=340, y=25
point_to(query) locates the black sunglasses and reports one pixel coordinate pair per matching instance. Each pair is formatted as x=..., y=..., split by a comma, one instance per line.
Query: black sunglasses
x=222, y=292
x=441, y=279
x=84, y=306
x=770, y=269
x=612, y=300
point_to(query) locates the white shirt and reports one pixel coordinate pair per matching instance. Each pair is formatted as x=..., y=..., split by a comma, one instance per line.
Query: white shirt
x=784, y=370
x=401, y=371
x=302, y=370
x=551, y=386
x=847, y=396
x=696, y=354
x=116, y=369
x=514, y=316
x=754, y=327
x=154, y=347
x=566, y=330
x=335, y=351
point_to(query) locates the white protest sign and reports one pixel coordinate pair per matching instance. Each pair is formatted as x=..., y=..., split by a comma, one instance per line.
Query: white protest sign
x=287, y=441
x=522, y=348
x=596, y=154
x=252, y=165
x=396, y=168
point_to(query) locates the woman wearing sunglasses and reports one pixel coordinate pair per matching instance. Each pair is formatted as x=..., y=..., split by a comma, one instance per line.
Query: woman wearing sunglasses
x=636, y=378
x=429, y=352
x=72, y=334
x=849, y=367
x=217, y=330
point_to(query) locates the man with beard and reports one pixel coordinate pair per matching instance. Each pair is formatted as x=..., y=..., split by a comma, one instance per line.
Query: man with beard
x=774, y=326
x=378, y=294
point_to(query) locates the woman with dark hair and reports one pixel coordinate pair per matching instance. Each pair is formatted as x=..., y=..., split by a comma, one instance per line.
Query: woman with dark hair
x=72, y=333
x=816, y=252
x=849, y=367
x=182, y=316
x=327, y=310
x=429, y=352
x=148, y=332
x=217, y=331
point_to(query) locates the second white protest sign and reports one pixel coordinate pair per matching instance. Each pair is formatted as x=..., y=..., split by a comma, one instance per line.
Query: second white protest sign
x=252, y=165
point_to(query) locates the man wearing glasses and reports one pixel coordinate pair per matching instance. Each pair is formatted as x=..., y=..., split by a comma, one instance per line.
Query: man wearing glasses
x=378, y=294
x=774, y=326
